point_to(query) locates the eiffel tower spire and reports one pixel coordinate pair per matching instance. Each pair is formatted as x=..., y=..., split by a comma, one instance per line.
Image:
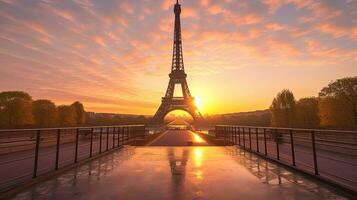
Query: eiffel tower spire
x=177, y=58
x=177, y=77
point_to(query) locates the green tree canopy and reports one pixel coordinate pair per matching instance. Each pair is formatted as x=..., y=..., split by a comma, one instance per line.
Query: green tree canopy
x=15, y=108
x=44, y=112
x=80, y=113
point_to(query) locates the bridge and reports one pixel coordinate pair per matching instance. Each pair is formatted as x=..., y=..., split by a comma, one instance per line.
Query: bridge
x=136, y=162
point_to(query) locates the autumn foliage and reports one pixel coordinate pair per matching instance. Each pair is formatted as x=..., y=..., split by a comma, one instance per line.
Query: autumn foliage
x=18, y=109
x=335, y=107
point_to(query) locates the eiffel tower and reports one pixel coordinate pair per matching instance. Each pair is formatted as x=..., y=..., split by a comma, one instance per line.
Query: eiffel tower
x=177, y=76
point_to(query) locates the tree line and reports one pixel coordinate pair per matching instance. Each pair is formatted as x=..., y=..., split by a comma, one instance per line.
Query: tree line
x=107, y=119
x=334, y=107
x=255, y=118
x=18, y=109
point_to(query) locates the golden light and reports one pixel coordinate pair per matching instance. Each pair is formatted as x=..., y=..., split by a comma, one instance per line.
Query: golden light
x=198, y=154
x=199, y=174
x=197, y=138
x=198, y=102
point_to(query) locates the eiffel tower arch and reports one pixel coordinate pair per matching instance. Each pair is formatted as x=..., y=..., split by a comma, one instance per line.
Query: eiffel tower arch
x=177, y=77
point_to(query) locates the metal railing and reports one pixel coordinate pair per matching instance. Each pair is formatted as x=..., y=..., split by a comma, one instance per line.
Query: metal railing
x=329, y=155
x=27, y=153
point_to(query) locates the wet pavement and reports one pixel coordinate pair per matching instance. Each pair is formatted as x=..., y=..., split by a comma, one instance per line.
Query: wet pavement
x=178, y=138
x=180, y=173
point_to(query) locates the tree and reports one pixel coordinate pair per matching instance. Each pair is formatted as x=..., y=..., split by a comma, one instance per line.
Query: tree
x=66, y=115
x=44, y=112
x=283, y=109
x=343, y=91
x=15, y=108
x=333, y=113
x=307, y=113
x=80, y=113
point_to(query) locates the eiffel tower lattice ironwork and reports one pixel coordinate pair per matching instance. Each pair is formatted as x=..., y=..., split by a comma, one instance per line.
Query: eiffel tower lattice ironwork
x=177, y=76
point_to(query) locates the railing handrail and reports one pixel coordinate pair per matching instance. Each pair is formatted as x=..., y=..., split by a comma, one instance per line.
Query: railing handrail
x=296, y=129
x=68, y=128
x=117, y=135
x=232, y=134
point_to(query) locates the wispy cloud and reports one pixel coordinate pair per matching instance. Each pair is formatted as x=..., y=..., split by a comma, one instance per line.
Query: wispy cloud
x=117, y=54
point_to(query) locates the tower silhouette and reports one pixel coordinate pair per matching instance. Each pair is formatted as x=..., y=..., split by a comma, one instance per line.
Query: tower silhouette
x=177, y=76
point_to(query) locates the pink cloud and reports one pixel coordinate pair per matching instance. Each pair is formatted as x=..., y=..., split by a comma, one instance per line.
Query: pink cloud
x=243, y=19
x=215, y=9
x=274, y=5
x=337, y=31
x=274, y=27
x=62, y=13
x=189, y=12
x=166, y=4
x=99, y=41
x=204, y=2
x=278, y=45
x=126, y=7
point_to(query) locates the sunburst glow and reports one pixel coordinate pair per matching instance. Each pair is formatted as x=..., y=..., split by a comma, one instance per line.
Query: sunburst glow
x=198, y=102
x=197, y=138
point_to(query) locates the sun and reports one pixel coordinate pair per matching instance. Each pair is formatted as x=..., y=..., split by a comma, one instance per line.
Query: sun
x=198, y=102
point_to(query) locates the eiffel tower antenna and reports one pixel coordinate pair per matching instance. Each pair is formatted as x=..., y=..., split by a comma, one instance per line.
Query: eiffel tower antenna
x=177, y=76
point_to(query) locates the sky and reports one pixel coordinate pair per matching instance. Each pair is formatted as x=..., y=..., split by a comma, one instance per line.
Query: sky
x=115, y=55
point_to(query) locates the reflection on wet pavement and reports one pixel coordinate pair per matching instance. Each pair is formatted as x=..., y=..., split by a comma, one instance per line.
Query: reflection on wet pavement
x=180, y=173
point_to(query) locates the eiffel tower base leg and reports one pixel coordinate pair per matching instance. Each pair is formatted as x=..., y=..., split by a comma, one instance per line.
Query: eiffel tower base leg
x=171, y=104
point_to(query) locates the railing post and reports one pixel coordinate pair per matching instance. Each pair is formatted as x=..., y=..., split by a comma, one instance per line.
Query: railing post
x=57, y=147
x=125, y=135
x=100, y=140
x=265, y=142
x=130, y=136
x=107, y=139
x=91, y=143
x=243, y=138
x=37, y=148
x=277, y=145
x=235, y=135
x=231, y=135
x=239, y=135
x=119, y=130
x=292, y=147
x=250, y=139
x=314, y=152
x=257, y=136
x=76, y=148
x=113, y=135
x=224, y=135
x=122, y=131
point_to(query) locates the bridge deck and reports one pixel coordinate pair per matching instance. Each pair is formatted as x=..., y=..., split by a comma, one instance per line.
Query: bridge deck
x=178, y=138
x=180, y=173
